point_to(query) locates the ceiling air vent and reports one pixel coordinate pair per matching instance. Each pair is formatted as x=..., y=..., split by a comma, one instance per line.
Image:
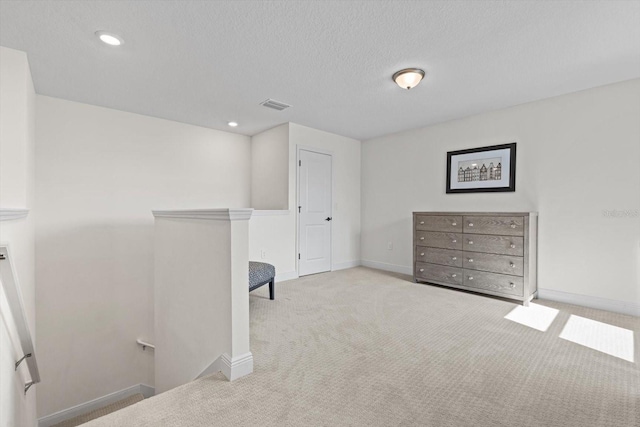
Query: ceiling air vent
x=276, y=105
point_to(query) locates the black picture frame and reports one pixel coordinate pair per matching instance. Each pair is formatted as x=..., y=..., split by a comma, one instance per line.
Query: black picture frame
x=485, y=151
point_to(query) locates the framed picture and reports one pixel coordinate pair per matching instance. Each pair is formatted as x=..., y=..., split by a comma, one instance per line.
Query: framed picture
x=482, y=170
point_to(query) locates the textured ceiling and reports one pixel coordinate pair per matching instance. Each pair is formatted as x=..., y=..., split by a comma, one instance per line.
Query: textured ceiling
x=208, y=62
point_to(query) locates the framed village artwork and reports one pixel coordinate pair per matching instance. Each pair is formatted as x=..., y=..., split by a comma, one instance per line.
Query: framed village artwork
x=482, y=170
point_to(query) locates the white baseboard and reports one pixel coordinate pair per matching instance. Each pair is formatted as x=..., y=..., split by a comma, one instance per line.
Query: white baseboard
x=345, y=265
x=237, y=367
x=283, y=277
x=388, y=267
x=231, y=368
x=290, y=275
x=83, y=408
x=147, y=391
x=623, y=307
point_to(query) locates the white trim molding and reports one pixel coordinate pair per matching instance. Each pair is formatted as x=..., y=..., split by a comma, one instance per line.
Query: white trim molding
x=237, y=367
x=623, y=307
x=83, y=408
x=262, y=212
x=147, y=391
x=225, y=214
x=7, y=214
x=344, y=265
x=388, y=267
x=231, y=368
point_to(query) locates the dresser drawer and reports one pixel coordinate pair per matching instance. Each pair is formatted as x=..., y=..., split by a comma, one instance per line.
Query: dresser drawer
x=434, y=239
x=502, y=245
x=508, y=285
x=439, y=273
x=500, y=225
x=439, y=256
x=504, y=264
x=439, y=223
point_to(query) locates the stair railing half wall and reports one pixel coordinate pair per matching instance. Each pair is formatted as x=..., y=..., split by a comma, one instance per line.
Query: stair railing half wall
x=12, y=291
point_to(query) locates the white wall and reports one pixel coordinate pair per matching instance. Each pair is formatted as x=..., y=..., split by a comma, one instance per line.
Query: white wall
x=201, y=295
x=100, y=172
x=17, y=121
x=275, y=233
x=577, y=156
x=345, y=233
x=269, y=169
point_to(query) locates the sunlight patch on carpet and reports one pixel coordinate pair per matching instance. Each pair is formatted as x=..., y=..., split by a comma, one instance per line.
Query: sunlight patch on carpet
x=609, y=339
x=535, y=316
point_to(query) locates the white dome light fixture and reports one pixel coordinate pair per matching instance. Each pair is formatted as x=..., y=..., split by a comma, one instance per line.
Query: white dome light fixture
x=109, y=38
x=233, y=124
x=408, y=78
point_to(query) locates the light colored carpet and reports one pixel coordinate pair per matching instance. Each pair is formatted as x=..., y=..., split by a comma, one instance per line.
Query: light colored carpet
x=365, y=347
x=97, y=413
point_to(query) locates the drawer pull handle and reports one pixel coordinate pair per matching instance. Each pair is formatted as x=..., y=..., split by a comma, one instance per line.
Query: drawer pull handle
x=470, y=277
x=421, y=270
x=454, y=223
x=512, y=246
x=512, y=265
x=512, y=285
x=513, y=225
x=471, y=242
x=421, y=222
x=455, y=258
x=470, y=259
x=422, y=238
x=422, y=254
x=470, y=224
x=454, y=275
x=454, y=241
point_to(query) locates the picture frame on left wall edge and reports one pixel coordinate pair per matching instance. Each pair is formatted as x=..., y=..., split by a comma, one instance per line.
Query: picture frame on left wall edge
x=482, y=170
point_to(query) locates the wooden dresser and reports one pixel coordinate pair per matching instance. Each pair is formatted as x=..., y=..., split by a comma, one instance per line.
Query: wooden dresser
x=489, y=253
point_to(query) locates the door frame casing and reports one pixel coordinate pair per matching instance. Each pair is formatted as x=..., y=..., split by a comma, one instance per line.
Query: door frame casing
x=333, y=190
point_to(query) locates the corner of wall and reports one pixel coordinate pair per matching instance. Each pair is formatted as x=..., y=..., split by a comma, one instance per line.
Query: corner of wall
x=17, y=179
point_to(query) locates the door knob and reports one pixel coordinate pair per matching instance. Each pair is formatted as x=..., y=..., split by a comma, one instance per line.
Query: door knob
x=328, y=218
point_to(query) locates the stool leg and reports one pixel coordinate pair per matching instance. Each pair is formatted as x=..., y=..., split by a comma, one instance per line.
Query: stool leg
x=272, y=290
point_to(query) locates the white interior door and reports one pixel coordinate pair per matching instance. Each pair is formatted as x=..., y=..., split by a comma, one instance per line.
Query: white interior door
x=314, y=207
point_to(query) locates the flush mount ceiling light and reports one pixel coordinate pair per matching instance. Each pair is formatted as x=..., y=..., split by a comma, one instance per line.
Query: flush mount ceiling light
x=408, y=78
x=109, y=38
x=233, y=124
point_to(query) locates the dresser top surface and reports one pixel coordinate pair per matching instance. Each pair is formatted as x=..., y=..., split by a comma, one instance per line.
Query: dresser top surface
x=477, y=213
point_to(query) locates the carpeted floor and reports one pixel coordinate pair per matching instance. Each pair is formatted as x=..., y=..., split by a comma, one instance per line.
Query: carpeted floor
x=362, y=347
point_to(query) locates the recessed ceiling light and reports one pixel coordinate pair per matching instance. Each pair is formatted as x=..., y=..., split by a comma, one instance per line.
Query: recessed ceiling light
x=233, y=124
x=109, y=38
x=408, y=78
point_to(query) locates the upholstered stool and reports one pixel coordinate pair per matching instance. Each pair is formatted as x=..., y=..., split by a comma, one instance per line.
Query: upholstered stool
x=261, y=273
